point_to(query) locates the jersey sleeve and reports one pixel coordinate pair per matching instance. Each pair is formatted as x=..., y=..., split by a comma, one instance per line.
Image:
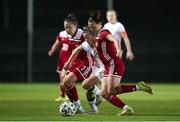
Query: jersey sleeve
x=58, y=38
x=86, y=46
x=103, y=34
x=122, y=30
x=105, y=26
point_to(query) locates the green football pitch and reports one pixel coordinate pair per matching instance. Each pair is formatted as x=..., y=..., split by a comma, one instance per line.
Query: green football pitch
x=34, y=102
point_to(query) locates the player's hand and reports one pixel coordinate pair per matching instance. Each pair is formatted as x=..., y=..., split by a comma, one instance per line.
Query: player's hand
x=50, y=53
x=129, y=55
x=66, y=66
x=119, y=53
x=63, y=73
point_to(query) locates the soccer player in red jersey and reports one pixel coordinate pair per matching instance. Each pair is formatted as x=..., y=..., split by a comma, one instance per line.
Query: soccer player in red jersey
x=79, y=70
x=110, y=54
x=97, y=73
x=68, y=40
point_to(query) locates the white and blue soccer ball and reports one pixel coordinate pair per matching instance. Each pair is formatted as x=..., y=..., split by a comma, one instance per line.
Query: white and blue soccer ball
x=67, y=108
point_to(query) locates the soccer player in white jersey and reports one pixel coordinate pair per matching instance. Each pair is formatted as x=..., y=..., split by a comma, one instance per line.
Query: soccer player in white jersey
x=93, y=92
x=118, y=31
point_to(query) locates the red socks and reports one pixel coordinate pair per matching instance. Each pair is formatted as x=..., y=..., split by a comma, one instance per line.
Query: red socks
x=72, y=93
x=113, y=99
x=125, y=88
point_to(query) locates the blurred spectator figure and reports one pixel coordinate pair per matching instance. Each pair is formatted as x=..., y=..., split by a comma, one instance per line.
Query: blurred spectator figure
x=118, y=31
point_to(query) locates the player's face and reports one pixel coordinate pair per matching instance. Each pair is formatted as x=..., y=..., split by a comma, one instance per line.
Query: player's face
x=70, y=28
x=93, y=25
x=111, y=17
x=90, y=38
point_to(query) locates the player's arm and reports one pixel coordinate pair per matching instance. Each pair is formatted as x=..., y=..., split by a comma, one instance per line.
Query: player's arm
x=54, y=48
x=129, y=54
x=113, y=39
x=72, y=57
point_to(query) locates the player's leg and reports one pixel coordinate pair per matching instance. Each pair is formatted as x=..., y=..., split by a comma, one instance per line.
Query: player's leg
x=92, y=102
x=97, y=73
x=113, y=99
x=92, y=92
x=114, y=88
x=90, y=84
x=113, y=82
x=80, y=72
x=71, y=91
x=140, y=86
x=69, y=85
x=62, y=93
x=117, y=69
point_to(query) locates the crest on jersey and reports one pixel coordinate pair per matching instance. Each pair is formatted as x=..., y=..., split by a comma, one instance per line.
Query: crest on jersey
x=65, y=47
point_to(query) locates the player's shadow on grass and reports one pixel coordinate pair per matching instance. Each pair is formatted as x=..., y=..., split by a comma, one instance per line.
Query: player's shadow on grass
x=156, y=114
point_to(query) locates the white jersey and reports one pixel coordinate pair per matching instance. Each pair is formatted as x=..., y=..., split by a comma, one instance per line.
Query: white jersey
x=95, y=71
x=115, y=29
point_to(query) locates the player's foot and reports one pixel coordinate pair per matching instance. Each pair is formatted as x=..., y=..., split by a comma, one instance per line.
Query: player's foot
x=61, y=99
x=98, y=100
x=126, y=111
x=94, y=108
x=144, y=87
x=80, y=109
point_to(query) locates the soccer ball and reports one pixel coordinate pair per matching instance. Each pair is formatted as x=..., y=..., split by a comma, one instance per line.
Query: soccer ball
x=67, y=108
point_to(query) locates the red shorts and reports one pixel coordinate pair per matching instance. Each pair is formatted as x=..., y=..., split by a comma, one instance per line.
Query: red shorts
x=81, y=71
x=114, y=68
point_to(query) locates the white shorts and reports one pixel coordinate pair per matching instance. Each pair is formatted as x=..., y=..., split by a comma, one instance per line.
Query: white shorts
x=98, y=72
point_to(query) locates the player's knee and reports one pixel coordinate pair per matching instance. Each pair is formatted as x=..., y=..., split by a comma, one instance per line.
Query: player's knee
x=108, y=90
x=85, y=85
x=104, y=94
x=66, y=83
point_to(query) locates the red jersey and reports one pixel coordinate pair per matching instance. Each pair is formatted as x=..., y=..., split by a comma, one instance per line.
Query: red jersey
x=105, y=48
x=69, y=43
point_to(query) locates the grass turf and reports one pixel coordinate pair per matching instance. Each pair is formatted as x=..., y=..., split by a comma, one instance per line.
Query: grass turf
x=35, y=102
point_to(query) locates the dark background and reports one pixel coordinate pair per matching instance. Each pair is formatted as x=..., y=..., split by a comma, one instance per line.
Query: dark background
x=152, y=26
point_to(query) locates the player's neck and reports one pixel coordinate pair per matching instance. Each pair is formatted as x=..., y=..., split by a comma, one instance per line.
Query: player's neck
x=99, y=29
x=113, y=22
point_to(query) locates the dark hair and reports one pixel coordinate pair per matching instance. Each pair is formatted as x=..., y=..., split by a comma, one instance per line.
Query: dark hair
x=86, y=29
x=71, y=18
x=95, y=16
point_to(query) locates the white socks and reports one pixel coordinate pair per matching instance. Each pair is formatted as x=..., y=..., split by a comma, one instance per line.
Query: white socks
x=96, y=90
x=126, y=106
x=93, y=106
x=77, y=103
x=137, y=87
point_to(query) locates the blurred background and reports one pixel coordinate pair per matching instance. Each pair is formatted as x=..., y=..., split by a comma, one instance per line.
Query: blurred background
x=152, y=26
